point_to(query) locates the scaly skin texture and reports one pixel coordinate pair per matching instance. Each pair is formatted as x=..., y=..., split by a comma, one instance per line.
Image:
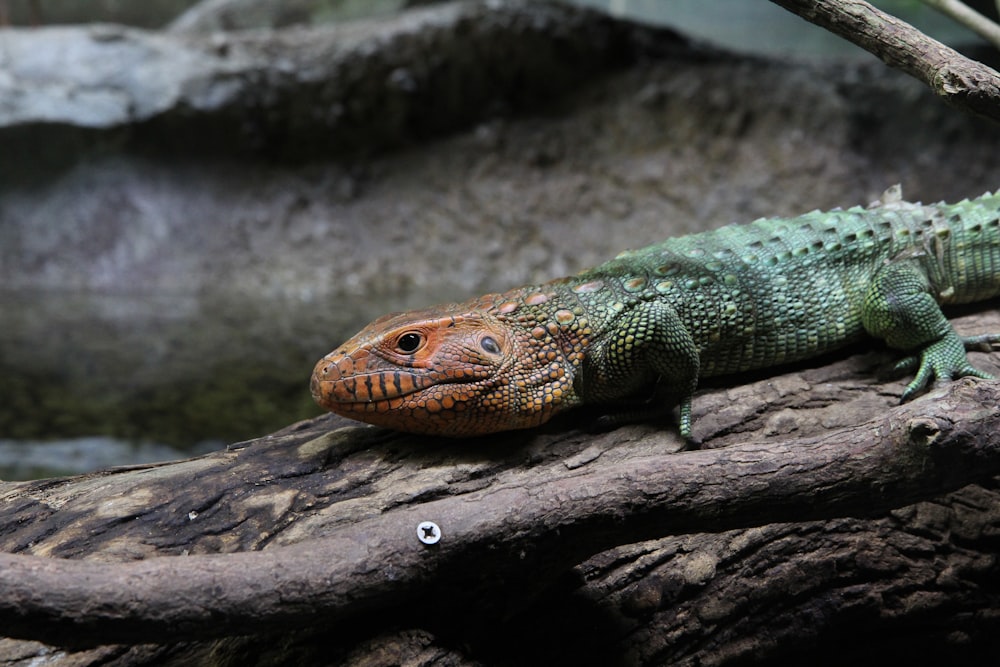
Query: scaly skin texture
x=653, y=321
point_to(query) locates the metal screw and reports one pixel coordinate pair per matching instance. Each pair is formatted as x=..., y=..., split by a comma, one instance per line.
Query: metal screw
x=428, y=532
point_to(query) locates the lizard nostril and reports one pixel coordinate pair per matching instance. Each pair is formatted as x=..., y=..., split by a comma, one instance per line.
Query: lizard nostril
x=325, y=371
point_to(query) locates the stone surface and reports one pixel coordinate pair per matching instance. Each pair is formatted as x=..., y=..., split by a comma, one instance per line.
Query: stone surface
x=278, y=189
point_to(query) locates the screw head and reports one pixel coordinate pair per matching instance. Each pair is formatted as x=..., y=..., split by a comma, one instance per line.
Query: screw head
x=428, y=532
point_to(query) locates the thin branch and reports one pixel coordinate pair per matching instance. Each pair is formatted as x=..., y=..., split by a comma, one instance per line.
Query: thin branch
x=965, y=84
x=969, y=17
x=539, y=520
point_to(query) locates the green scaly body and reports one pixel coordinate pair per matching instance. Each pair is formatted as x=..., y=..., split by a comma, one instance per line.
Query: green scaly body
x=735, y=299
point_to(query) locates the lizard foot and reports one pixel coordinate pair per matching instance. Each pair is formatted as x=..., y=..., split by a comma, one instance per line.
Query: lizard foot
x=943, y=361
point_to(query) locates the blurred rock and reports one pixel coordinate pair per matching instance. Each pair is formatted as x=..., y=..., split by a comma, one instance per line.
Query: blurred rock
x=224, y=15
x=234, y=205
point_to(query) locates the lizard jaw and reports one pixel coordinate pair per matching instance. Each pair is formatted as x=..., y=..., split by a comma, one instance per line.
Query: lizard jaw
x=342, y=383
x=384, y=398
x=337, y=380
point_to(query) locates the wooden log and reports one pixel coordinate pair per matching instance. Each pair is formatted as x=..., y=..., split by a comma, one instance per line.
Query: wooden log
x=961, y=82
x=317, y=525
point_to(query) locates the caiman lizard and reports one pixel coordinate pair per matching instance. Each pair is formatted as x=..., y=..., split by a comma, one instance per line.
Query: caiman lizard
x=651, y=322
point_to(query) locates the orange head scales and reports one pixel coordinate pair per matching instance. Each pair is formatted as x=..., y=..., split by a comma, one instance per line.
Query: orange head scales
x=449, y=370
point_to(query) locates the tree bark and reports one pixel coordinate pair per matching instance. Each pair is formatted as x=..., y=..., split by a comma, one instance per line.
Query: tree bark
x=316, y=527
x=961, y=82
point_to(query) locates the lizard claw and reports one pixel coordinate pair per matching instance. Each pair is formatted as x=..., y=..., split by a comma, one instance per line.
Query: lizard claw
x=944, y=360
x=982, y=343
x=684, y=423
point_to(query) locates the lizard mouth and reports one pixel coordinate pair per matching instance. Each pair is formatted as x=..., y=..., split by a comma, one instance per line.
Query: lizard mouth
x=333, y=385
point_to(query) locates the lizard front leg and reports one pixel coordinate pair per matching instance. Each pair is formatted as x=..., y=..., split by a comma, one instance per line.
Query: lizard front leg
x=646, y=344
x=900, y=308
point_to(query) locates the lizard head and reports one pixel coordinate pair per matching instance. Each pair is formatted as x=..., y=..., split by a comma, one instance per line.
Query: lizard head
x=447, y=371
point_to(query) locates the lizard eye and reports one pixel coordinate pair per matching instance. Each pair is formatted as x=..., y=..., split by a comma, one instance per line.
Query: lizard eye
x=409, y=342
x=490, y=345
